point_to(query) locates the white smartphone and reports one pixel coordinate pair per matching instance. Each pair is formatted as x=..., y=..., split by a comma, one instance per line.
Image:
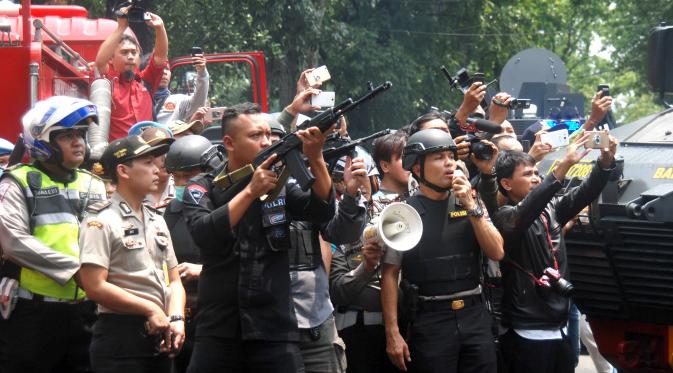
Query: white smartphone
x=323, y=99
x=556, y=139
x=318, y=75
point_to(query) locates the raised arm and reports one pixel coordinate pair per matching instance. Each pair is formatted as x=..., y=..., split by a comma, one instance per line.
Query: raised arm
x=107, y=49
x=160, y=39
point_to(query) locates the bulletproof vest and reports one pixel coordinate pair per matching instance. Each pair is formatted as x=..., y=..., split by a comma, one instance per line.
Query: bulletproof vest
x=446, y=260
x=304, y=253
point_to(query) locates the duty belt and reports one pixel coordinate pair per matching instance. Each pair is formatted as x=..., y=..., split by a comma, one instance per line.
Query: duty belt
x=25, y=294
x=457, y=299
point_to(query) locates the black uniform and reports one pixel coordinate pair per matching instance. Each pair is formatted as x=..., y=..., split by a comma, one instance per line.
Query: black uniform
x=450, y=335
x=357, y=298
x=246, y=319
x=528, y=228
x=186, y=250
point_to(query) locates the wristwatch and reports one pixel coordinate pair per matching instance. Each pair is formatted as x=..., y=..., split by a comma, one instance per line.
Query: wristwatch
x=476, y=211
x=174, y=318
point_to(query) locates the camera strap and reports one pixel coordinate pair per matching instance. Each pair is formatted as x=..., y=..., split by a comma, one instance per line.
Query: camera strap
x=553, y=255
x=551, y=244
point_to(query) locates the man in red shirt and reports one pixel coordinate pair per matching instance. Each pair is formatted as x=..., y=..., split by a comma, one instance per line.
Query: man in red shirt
x=118, y=59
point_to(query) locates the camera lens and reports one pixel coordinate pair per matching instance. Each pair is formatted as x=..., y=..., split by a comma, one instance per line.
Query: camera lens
x=481, y=151
x=597, y=139
x=564, y=287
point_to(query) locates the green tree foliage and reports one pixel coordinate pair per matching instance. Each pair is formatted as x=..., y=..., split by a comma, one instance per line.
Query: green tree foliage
x=406, y=41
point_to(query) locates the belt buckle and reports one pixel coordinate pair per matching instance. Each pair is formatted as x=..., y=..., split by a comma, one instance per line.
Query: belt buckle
x=457, y=304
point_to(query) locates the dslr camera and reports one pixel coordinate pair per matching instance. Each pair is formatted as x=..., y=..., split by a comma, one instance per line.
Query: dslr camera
x=135, y=13
x=480, y=150
x=552, y=279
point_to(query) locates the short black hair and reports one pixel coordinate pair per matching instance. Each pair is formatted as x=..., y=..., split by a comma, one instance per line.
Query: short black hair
x=231, y=113
x=507, y=162
x=132, y=39
x=417, y=124
x=113, y=173
x=385, y=147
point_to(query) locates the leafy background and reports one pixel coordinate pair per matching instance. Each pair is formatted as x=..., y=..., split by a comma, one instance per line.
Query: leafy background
x=405, y=41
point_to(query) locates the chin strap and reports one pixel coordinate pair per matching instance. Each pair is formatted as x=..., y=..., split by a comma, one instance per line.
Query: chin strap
x=430, y=185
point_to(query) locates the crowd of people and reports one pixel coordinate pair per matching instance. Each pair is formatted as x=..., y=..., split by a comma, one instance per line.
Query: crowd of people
x=168, y=255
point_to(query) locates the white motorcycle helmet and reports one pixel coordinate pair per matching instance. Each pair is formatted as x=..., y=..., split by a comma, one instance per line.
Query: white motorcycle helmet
x=54, y=114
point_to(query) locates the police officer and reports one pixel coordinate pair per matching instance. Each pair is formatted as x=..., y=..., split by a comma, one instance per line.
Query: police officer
x=451, y=331
x=129, y=267
x=41, y=204
x=246, y=321
x=187, y=157
x=355, y=276
x=6, y=149
x=321, y=348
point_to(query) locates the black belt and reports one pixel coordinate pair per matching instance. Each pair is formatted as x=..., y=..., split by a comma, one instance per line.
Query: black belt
x=451, y=304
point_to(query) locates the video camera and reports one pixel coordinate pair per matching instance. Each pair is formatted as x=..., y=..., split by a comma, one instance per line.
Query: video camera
x=462, y=81
x=474, y=130
x=135, y=13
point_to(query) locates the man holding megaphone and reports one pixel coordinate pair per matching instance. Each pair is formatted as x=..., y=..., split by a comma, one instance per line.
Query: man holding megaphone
x=451, y=331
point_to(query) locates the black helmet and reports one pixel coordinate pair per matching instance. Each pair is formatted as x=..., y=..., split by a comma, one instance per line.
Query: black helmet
x=193, y=151
x=424, y=142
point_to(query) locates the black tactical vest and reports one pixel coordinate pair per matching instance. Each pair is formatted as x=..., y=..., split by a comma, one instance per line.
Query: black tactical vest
x=304, y=252
x=446, y=260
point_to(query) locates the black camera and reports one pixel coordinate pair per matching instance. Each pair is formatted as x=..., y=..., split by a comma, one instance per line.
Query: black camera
x=479, y=148
x=519, y=103
x=195, y=51
x=464, y=79
x=135, y=13
x=552, y=279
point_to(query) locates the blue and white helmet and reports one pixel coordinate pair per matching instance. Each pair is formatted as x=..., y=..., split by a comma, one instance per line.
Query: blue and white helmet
x=53, y=114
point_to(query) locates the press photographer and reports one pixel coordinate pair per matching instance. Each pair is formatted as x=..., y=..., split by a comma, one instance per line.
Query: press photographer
x=535, y=270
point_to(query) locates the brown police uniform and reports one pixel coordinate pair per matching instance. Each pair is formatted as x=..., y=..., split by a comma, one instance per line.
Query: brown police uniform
x=137, y=251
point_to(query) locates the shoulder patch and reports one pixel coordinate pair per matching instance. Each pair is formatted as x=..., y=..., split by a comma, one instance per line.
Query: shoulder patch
x=196, y=192
x=99, y=206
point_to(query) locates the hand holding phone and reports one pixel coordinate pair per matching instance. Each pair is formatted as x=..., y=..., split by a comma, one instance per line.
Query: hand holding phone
x=194, y=51
x=213, y=114
x=597, y=140
x=556, y=139
x=323, y=99
x=318, y=75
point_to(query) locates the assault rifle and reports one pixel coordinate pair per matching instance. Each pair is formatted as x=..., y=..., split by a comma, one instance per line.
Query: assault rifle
x=289, y=150
x=338, y=147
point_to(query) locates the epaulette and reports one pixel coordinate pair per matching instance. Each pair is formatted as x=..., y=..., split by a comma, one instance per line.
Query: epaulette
x=99, y=206
x=14, y=167
x=155, y=209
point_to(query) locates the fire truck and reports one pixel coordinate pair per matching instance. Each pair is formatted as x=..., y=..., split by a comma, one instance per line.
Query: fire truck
x=45, y=50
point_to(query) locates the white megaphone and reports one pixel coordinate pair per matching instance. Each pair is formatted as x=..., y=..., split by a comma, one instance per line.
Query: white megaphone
x=398, y=226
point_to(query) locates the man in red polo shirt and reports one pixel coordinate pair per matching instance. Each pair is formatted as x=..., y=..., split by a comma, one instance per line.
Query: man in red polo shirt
x=118, y=59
